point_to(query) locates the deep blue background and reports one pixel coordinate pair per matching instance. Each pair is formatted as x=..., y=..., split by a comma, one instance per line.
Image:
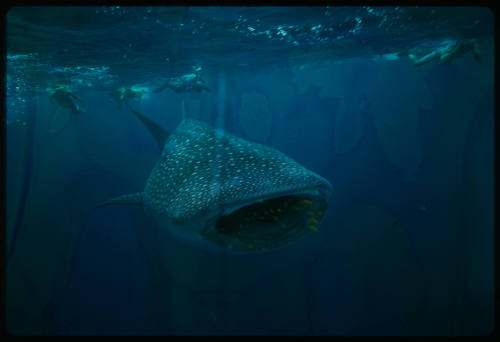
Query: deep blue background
x=403, y=249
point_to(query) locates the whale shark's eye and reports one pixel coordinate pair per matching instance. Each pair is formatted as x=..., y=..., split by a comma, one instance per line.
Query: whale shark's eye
x=270, y=223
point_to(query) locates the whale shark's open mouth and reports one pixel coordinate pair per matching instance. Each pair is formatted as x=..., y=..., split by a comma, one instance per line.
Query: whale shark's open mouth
x=269, y=223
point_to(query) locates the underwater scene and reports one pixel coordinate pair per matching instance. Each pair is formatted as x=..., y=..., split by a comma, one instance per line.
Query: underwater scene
x=249, y=170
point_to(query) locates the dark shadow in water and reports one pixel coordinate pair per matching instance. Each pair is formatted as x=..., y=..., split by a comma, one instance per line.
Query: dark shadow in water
x=28, y=161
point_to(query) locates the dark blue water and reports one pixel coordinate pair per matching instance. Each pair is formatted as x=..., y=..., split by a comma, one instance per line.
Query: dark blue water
x=406, y=244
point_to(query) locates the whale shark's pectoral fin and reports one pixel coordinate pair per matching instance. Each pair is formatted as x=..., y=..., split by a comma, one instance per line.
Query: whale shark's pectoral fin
x=156, y=131
x=129, y=199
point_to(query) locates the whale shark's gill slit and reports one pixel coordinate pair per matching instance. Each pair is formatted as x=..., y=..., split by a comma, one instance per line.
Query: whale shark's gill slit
x=270, y=223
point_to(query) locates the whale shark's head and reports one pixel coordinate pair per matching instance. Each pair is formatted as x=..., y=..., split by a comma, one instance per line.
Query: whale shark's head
x=213, y=186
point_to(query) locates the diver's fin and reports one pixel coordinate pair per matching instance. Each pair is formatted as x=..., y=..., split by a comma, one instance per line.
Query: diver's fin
x=130, y=199
x=156, y=131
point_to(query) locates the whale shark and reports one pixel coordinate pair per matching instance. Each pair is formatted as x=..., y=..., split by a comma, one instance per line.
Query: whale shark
x=212, y=186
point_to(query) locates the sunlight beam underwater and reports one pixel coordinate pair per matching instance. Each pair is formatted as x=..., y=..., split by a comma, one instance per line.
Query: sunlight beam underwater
x=210, y=185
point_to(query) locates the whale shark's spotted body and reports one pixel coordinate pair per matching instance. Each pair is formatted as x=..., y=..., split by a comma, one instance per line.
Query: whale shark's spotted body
x=211, y=185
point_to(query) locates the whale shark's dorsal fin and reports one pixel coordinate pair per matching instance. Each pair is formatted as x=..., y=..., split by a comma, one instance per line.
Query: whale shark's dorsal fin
x=129, y=199
x=156, y=131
